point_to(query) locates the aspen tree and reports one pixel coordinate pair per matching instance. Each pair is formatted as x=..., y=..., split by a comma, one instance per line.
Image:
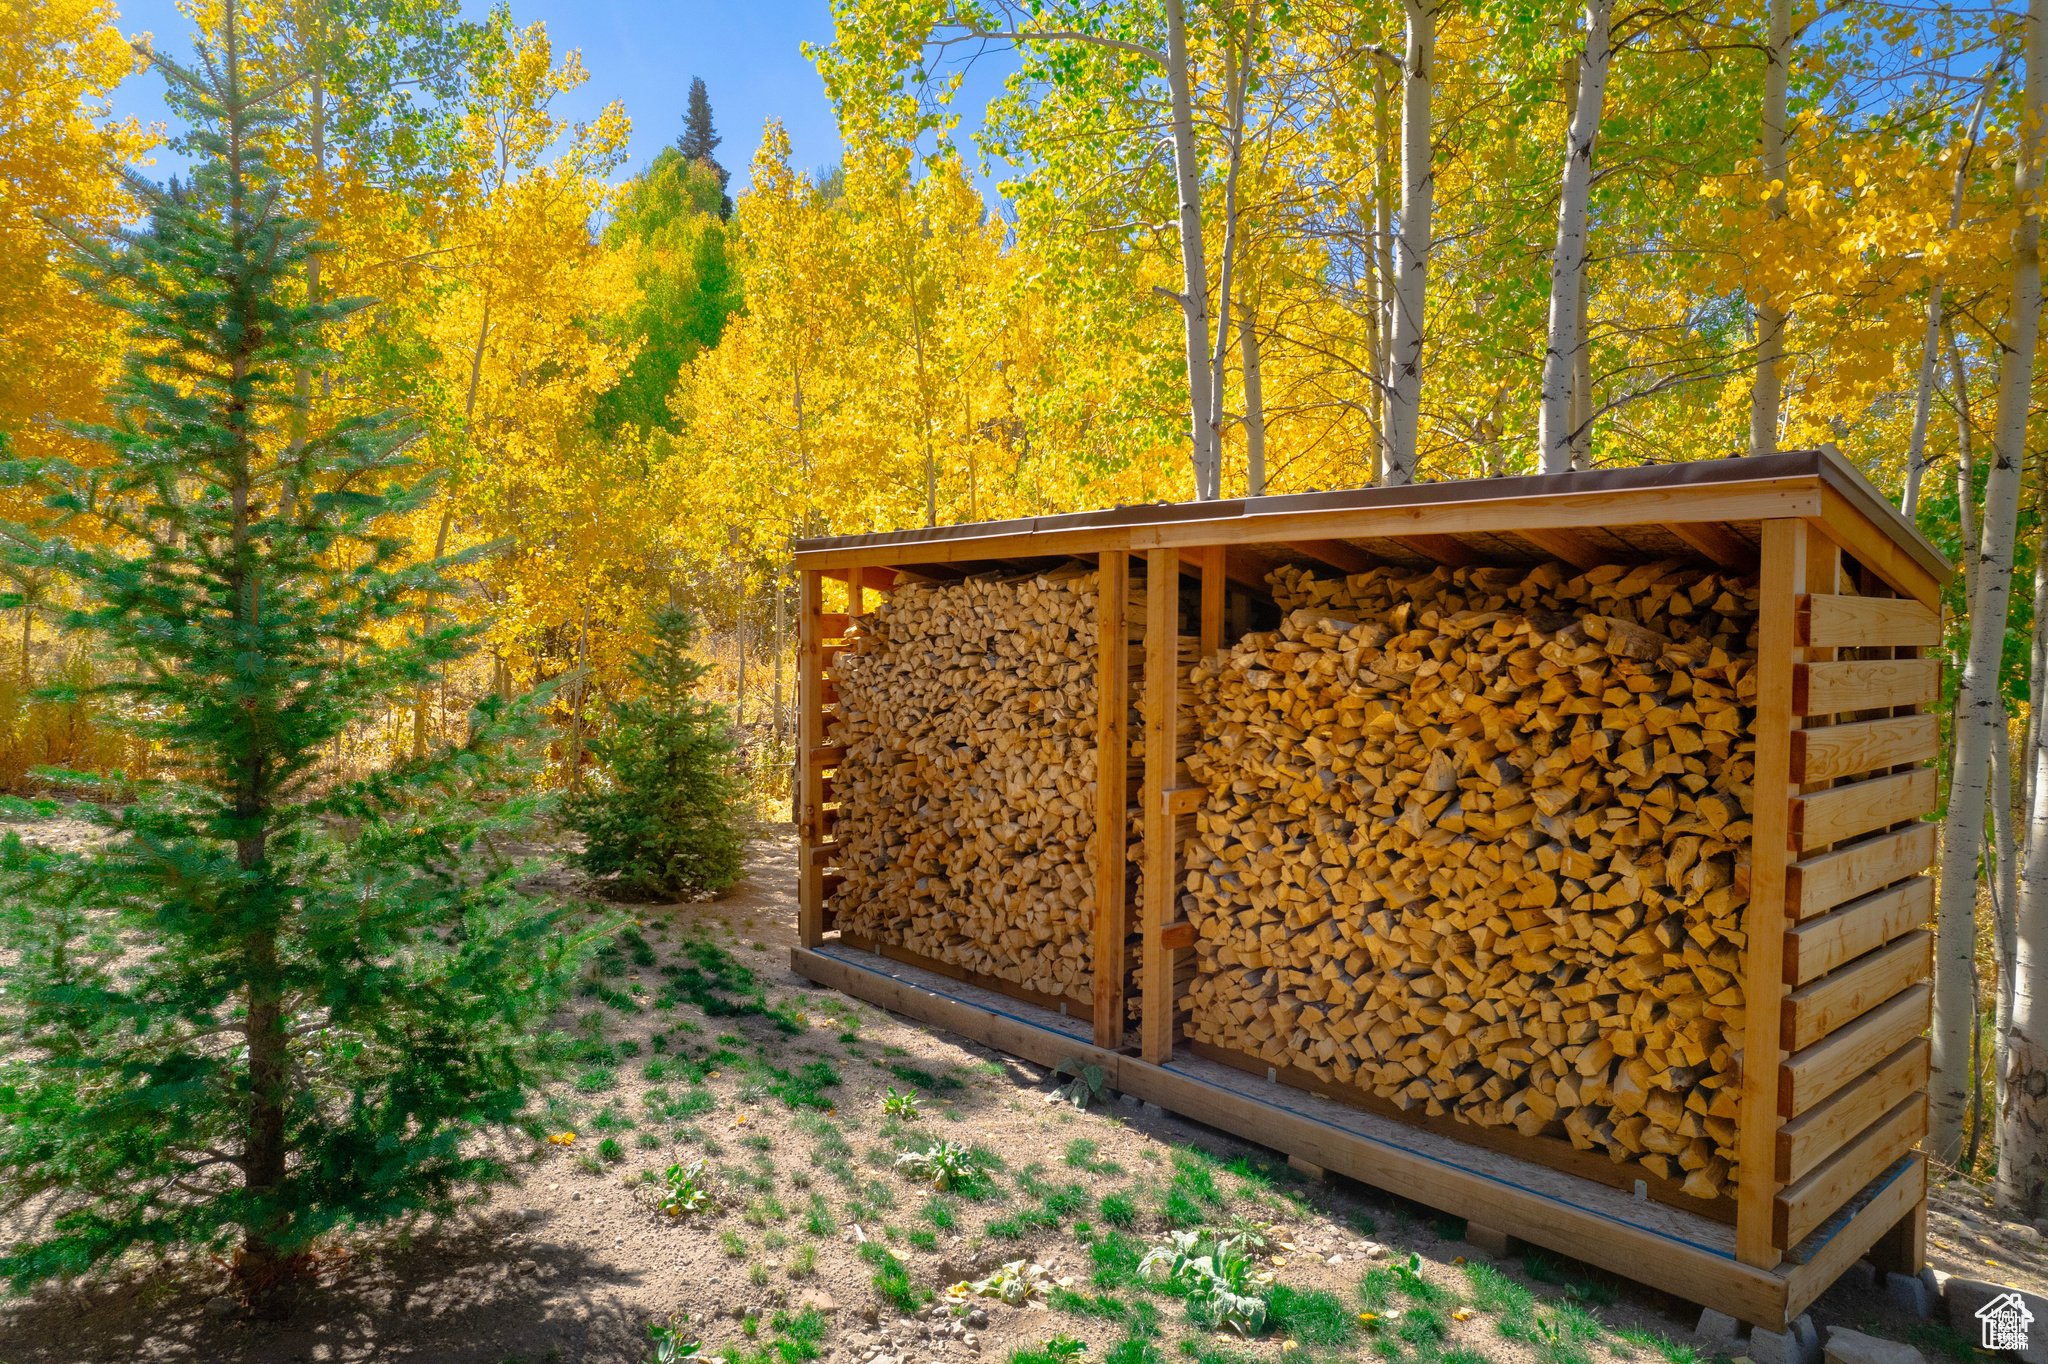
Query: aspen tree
x=1411, y=280
x=1555, y=430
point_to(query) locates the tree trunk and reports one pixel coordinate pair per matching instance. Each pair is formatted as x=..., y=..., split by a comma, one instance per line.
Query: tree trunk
x=576, y=713
x=1254, y=405
x=781, y=642
x=2023, y=1120
x=2004, y=878
x=1770, y=321
x=1383, y=272
x=1923, y=398
x=1568, y=261
x=1236, y=77
x=1418, y=203
x=1977, y=718
x=1194, y=269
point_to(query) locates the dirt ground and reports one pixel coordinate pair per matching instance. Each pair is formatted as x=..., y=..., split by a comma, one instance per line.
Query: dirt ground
x=574, y=1262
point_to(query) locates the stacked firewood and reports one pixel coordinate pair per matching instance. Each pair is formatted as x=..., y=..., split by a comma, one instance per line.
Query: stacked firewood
x=1477, y=842
x=967, y=794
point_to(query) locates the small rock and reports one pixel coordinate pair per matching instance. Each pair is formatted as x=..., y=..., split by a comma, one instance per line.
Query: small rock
x=1374, y=1251
x=1130, y=1101
x=1809, y=1338
x=1908, y=1292
x=1334, y=1260
x=818, y=1300
x=221, y=1305
x=1774, y=1347
x=527, y=1267
x=1153, y=1110
x=1715, y=1329
x=870, y=1314
x=1853, y=1347
x=2041, y=1225
x=977, y=1319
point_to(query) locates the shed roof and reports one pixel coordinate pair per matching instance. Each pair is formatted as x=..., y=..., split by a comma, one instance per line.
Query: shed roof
x=1706, y=509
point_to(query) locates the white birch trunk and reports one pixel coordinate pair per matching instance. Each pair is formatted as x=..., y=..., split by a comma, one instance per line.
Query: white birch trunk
x=1923, y=395
x=1194, y=268
x=1236, y=76
x=1254, y=404
x=1383, y=260
x=2023, y=1119
x=1568, y=260
x=1770, y=321
x=1977, y=724
x=1418, y=205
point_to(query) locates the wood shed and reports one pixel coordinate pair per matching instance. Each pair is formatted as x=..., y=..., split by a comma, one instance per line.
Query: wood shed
x=1548, y=850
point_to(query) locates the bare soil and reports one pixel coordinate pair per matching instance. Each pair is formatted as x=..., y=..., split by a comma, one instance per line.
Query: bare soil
x=575, y=1261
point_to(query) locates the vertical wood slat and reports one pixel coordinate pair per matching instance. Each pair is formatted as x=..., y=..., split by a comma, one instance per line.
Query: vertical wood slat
x=1112, y=701
x=810, y=688
x=1781, y=577
x=1212, y=600
x=1162, y=698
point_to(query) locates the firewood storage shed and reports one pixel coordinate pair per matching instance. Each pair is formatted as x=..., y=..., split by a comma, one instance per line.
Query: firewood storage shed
x=1548, y=850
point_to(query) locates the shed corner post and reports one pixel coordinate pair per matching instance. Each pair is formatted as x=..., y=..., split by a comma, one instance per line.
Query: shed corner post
x=1162, y=704
x=1789, y=556
x=810, y=791
x=1112, y=748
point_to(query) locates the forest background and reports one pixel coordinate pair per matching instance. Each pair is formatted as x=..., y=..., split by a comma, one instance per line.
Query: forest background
x=1217, y=249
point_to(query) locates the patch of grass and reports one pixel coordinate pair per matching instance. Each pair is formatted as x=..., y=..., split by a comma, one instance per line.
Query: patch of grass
x=1120, y=1210
x=803, y=1263
x=924, y=1240
x=733, y=1244
x=939, y=1212
x=1066, y=1202
x=1360, y=1223
x=892, y=1278
x=757, y=1274
x=1423, y=1326
x=1936, y=1339
x=595, y=1081
x=923, y=1079
x=1311, y=1316
x=760, y=1141
x=612, y=1120
x=647, y=1141
x=818, y=1218
x=1116, y=1257
x=610, y=1152
x=628, y=1047
x=690, y=1103
x=1195, y=1175
x=1134, y=1350
x=1082, y=1305
x=1461, y=1355
x=1494, y=1292
x=802, y=1089
x=715, y=982
x=1180, y=1209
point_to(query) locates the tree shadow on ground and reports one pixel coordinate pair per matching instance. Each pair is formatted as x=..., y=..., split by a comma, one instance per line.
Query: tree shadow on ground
x=491, y=1291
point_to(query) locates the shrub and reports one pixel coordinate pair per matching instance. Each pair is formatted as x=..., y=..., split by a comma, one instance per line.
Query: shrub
x=670, y=823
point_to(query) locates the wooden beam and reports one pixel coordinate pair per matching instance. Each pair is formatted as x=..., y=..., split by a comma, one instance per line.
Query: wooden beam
x=1759, y=499
x=1849, y=750
x=1845, y=811
x=1818, y=946
x=1112, y=703
x=1817, y=884
x=1815, y=1135
x=1783, y=575
x=1446, y=550
x=1806, y=1204
x=1716, y=544
x=1875, y=549
x=1829, y=1065
x=1211, y=559
x=1337, y=554
x=1846, y=685
x=1842, y=996
x=1902, y=1196
x=1868, y=622
x=810, y=796
x=1570, y=546
x=1162, y=702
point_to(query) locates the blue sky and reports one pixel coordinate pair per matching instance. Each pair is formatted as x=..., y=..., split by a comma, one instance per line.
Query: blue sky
x=638, y=52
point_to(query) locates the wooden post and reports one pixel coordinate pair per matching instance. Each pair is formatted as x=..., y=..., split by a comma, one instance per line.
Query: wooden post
x=1782, y=576
x=810, y=802
x=1212, y=600
x=1112, y=701
x=1162, y=698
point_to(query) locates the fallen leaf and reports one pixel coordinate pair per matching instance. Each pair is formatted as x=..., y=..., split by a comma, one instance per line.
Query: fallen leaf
x=1462, y=1314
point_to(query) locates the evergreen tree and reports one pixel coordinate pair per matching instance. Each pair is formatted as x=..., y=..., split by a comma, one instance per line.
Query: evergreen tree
x=699, y=140
x=671, y=823
x=233, y=1023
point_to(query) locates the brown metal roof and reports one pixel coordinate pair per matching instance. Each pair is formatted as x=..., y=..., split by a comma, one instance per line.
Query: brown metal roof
x=1810, y=468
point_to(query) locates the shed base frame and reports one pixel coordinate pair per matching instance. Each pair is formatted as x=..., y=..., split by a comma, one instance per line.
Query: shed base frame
x=1666, y=1248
